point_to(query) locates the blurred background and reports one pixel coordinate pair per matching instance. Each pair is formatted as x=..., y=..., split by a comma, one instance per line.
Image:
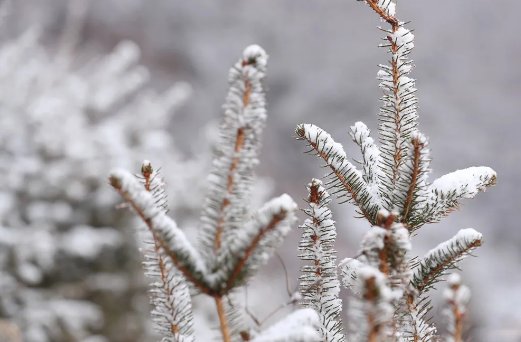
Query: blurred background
x=86, y=86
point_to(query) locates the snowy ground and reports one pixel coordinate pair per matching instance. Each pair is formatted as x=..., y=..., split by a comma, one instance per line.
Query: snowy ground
x=323, y=63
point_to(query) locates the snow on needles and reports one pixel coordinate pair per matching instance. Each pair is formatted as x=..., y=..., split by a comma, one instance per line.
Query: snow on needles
x=465, y=183
x=173, y=240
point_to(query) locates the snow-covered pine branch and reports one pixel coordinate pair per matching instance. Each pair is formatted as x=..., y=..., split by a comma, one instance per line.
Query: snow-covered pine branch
x=234, y=242
x=169, y=293
x=445, y=193
x=457, y=296
x=398, y=114
x=444, y=257
x=172, y=240
x=319, y=285
x=370, y=156
x=252, y=246
x=300, y=326
x=230, y=182
x=411, y=186
x=346, y=180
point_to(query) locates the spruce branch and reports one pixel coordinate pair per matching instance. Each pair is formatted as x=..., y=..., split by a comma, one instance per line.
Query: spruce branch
x=371, y=156
x=398, y=114
x=412, y=184
x=171, y=239
x=445, y=193
x=347, y=181
x=319, y=285
x=169, y=292
x=257, y=242
x=444, y=257
x=236, y=153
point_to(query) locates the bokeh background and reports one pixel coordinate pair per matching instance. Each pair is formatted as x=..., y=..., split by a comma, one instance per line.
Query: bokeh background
x=76, y=102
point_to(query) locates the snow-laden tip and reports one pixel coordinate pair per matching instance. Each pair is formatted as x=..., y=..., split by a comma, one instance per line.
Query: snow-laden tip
x=419, y=137
x=254, y=54
x=469, y=181
x=464, y=240
x=283, y=203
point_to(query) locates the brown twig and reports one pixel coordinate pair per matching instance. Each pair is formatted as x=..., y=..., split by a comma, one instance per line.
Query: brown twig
x=223, y=321
x=239, y=144
x=395, y=24
x=417, y=146
x=371, y=296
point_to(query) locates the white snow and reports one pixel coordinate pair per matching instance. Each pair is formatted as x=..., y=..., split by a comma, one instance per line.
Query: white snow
x=403, y=38
x=256, y=53
x=465, y=183
x=388, y=6
x=301, y=325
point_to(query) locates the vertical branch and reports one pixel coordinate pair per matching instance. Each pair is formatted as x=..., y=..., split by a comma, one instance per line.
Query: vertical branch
x=223, y=321
x=398, y=114
x=172, y=313
x=319, y=283
x=226, y=206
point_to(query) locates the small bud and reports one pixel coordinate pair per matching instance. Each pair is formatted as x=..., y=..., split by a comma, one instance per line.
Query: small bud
x=146, y=169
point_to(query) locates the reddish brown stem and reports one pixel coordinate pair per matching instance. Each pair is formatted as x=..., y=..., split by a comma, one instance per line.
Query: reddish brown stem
x=417, y=146
x=239, y=144
x=223, y=321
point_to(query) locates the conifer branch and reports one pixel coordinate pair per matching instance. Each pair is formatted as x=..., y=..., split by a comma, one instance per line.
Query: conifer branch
x=444, y=257
x=169, y=292
x=412, y=182
x=347, y=181
x=172, y=240
x=319, y=285
x=445, y=193
x=236, y=153
x=371, y=156
x=259, y=239
x=398, y=114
